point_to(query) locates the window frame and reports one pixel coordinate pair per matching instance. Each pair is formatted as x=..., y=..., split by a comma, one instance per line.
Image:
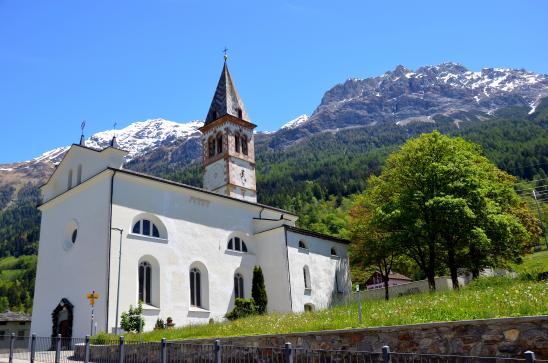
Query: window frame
x=195, y=287
x=145, y=282
x=237, y=244
x=153, y=230
x=239, y=289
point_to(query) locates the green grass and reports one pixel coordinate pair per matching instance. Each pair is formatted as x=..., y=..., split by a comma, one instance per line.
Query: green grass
x=532, y=264
x=485, y=298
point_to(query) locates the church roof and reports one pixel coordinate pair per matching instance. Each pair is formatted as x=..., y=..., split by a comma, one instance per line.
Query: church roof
x=226, y=100
x=13, y=316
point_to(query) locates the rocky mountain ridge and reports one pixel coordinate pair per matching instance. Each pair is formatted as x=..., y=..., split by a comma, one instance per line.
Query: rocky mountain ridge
x=448, y=92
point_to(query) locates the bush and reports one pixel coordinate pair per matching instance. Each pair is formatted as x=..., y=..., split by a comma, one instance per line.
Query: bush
x=159, y=324
x=242, y=308
x=258, y=290
x=132, y=321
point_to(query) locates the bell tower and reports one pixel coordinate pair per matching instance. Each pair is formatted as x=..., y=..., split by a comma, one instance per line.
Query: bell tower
x=227, y=143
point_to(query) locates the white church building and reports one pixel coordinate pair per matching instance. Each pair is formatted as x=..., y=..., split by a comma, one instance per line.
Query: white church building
x=185, y=252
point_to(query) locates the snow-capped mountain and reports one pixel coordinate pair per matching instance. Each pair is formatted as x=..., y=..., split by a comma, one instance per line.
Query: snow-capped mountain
x=143, y=136
x=448, y=90
x=138, y=138
x=299, y=121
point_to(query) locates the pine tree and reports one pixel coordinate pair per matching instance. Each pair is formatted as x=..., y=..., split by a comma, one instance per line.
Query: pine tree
x=258, y=290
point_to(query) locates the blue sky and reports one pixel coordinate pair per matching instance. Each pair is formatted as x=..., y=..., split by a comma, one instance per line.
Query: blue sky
x=123, y=61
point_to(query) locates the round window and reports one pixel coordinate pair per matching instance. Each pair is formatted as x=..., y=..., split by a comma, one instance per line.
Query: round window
x=70, y=235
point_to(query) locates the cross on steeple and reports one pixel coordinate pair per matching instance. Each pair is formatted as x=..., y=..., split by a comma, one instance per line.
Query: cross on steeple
x=225, y=51
x=82, y=127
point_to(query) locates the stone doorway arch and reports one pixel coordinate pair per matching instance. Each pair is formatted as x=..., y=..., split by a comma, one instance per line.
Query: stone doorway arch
x=61, y=319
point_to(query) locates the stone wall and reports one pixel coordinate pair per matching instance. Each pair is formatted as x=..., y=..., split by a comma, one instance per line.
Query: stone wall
x=505, y=337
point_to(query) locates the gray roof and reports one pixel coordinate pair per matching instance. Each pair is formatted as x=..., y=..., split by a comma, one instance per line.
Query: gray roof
x=226, y=100
x=13, y=316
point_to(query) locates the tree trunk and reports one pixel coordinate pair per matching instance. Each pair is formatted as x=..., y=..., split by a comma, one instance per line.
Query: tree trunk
x=386, y=293
x=452, y=267
x=431, y=279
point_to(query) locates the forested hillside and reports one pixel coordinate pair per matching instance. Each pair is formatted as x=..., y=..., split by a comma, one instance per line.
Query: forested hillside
x=315, y=177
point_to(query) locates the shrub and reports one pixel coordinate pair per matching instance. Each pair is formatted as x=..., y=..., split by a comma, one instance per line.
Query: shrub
x=159, y=324
x=258, y=290
x=242, y=308
x=132, y=321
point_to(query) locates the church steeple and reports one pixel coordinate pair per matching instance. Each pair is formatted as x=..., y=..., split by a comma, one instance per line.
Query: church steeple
x=228, y=143
x=226, y=100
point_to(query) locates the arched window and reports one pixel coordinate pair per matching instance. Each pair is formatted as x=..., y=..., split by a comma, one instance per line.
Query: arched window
x=240, y=114
x=302, y=245
x=219, y=143
x=239, y=286
x=306, y=276
x=244, y=144
x=69, y=181
x=79, y=174
x=237, y=142
x=145, y=278
x=211, y=147
x=146, y=228
x=333, y=251
x=195, y=288
x=237, y=244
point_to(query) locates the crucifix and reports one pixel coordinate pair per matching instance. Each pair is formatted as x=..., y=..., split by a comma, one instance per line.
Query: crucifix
x=82, y=127
x=226, y=55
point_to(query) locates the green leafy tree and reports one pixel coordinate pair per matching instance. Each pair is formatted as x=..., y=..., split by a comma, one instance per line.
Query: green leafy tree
x=445, y=203
x=132, y=320
x=258, y=290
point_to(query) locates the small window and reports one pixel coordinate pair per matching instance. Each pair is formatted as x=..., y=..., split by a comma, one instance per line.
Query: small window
x=244, y=145
x=211, y=147
x=20, y=335
x=239, y=286
x=240, y=114
x=146, y=228
x=74, y=235
x=145, y=279
x=308, y=308
x=195, y=288
x=237, y=142
x=69, y=181
x=219, y=143
x=237, y=244
x=333, y=251
x=79, y=174
x=302, y=245
x=2, y=334
x=306, y=276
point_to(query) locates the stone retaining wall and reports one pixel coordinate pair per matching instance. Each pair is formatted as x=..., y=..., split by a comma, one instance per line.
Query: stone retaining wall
x=505, y=337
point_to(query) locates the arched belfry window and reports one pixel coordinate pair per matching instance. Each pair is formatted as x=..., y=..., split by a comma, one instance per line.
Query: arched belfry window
x=240, y=114
x=237, y=142
x=195, y=287
x=219, y=143
x=239, y=286
x=244, y=144
x=145, y=280
x=79, y=174
x=211, y=147
x=146, y=228
x=237, y=244
x=69, y=181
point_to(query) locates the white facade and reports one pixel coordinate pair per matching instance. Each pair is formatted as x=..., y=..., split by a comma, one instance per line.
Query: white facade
x=132, y=237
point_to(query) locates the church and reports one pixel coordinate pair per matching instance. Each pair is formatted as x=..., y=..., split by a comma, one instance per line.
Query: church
x=185, y=252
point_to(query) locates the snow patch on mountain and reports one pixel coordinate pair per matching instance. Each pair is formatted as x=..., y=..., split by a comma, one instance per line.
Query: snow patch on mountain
x=140, y=137
x=299, y=121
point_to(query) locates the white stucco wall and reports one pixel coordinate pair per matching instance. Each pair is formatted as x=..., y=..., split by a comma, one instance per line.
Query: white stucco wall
x=90, y=162
x=198, y=228
x=322, y=267
x=70, y=271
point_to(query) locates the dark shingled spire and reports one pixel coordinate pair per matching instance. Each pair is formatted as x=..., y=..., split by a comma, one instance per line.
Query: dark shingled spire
x=226, y=100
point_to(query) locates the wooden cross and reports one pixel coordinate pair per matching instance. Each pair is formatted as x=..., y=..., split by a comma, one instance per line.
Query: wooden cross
x=92, y=297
